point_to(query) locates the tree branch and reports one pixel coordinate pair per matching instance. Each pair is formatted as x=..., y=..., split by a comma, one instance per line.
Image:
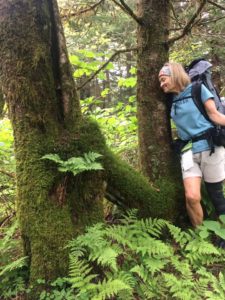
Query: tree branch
x=74, y=14
x=6, y=219
x=203, y=23
x=189, y=25
x=128, y=11
x=174, y=14
x=217, y=5
x=11, y=175
x=105, y=64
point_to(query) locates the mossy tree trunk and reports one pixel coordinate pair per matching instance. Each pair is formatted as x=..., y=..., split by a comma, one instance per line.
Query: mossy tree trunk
x=157, y=160
x=46, y=118
x=153, y=121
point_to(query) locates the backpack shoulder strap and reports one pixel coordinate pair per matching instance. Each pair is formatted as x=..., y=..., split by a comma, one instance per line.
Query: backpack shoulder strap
x=196, y=95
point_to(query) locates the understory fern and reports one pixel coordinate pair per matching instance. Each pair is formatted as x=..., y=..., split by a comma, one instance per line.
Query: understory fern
x=146, y=259
x=12, y=265
x=76, y=165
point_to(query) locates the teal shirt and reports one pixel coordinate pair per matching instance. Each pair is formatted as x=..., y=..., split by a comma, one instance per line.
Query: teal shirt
x=188, y=119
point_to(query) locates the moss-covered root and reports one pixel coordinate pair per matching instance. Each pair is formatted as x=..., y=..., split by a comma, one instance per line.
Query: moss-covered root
x=128, y=188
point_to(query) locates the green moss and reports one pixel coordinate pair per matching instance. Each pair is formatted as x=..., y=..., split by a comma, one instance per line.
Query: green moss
x=53, y=207
x=134, y=190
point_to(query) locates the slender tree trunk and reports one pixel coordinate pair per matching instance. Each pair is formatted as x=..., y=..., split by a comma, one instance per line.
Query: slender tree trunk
x=157, y=161
x=153, y=121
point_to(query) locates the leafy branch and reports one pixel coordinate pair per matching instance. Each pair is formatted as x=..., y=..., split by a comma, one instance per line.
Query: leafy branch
x=112, y=57
x=9, y=174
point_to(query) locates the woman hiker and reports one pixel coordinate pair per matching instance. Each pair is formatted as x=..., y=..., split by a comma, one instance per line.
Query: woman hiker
x=198, y=161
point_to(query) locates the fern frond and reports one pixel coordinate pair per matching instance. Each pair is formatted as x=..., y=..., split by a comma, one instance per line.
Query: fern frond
x=129, y=217
x=53, y=157
x=91, y=156
x=120, y=234
x=201, y=252
x=111, y=288
x=178, y=235
x=217, y=287
x=128, y=279
x=7, y=234
x=152, y=247
x=105, y=257
x=79, y=273
x=182, y=267
x=76, y=165
x=94, y=237
x=148, y=292
x=153, y=289
x=17, y=264
x=154, y=265
x=141, y=271
x=151, y=226
x=180, y=289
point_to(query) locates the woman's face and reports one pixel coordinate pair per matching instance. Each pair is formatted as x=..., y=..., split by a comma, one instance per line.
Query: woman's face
x=166, y=84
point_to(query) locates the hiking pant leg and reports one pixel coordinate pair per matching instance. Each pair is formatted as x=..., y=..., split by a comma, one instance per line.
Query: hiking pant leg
x=215, y=192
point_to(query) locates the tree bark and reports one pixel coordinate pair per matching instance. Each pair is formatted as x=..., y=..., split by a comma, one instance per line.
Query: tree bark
x=157, y=160
x=2, y=103
x=153, y=120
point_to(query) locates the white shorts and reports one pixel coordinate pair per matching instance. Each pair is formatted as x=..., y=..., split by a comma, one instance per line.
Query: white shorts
x=209, y=167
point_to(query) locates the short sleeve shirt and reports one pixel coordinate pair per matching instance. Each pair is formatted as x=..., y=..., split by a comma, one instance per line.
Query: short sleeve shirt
x=188, y=119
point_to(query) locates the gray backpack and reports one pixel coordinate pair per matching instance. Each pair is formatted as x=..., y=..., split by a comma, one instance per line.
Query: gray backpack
x=200, y=73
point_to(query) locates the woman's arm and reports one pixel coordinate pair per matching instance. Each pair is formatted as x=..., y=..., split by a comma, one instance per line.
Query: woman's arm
x=214, y=115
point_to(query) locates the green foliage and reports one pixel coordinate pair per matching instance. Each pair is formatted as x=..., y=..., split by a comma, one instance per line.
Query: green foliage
x=212, y=226
x=12, y=265
x=127, y=82
x=145, y=259
x=7, y=170
x=119, y=123
x=76, y=165
x=60, y=289
x=135, y=258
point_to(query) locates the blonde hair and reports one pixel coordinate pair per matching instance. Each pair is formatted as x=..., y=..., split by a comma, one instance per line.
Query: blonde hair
x=179, y=77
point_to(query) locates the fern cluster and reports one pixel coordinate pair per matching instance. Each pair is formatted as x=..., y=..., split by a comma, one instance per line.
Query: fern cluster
x=76, y=165
x=146, y=259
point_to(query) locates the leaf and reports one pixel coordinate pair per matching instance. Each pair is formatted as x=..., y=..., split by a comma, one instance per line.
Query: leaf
x=211, y=225
x=222, y=218
x=105, y=92
x=204, y=234
x=53, y=157
x=110, y=66
x=74, y=59
x=127, y=82
x=78, y=73
x=102, y=76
